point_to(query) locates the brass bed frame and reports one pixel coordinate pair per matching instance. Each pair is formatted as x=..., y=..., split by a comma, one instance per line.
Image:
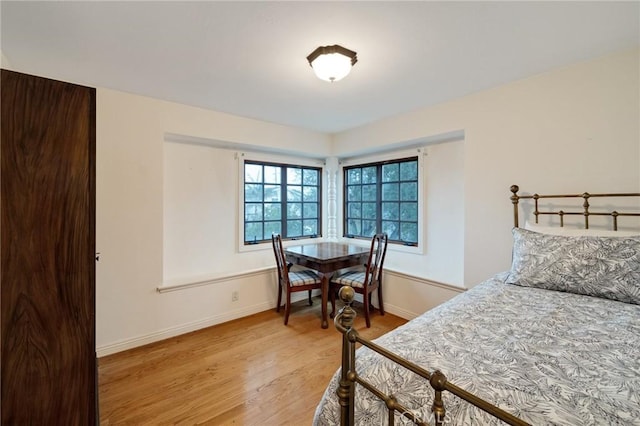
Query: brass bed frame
x=438, y=381
x=515, y=198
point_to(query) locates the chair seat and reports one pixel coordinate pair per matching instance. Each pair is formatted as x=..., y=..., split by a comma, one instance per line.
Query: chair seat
x=367, y=280
x=304, y=277
x=350, y=278
x=292, y=281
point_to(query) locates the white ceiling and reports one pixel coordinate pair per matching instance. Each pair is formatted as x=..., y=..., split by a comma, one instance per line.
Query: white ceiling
x=249, y=58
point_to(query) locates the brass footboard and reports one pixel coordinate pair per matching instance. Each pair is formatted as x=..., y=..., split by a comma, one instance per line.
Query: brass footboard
x=349, y=377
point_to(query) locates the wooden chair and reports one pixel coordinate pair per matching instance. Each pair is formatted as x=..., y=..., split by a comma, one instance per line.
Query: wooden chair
x=364, y=282
x=291, y=281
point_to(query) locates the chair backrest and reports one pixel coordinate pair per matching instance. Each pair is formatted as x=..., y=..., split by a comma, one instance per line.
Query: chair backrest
x=376, y=258
x=278, y=250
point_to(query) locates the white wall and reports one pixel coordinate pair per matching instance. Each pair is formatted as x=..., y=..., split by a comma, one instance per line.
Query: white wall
x=129, y=220
x=199, y=200
x=444, y=252
x=570, y=130
x=4, y=62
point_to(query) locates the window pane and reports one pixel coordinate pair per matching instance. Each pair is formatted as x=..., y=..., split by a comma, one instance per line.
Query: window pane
x=368, y=228
x=369, y=193
x=272, y=192
x=294, y=228
x=390, y=191
x=390, y=211
x=369, y=211
x=252, y=192
x=354, y=193
x=252, y=212
x=390, y=172
x=409, y=232
x=294, y=193
x=310, y=210
x=310, y=193
x=310, y=227
x=386, y=197
x=353, y=227
x=391, y=228
x=353, y=176
x=294, y=175
x=252, y=231
x=272, y=174
x=310, y=177
x=355, y=210
x=294, y=210
x=409, y=170
x=369, y=174
x=272, y=212
x=270, y=228
x=281, y=198
x=409, y=191
x=409, y=211
x=252, y=172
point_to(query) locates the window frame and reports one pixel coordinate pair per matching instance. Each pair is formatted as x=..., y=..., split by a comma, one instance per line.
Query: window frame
x=284, y=163
x=380, y=160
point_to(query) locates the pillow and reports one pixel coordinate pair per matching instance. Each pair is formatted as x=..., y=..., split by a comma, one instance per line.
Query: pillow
x=607, y=267
x=557, y=230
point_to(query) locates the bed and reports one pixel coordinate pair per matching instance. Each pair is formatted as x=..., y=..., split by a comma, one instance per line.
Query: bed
x=555, y=340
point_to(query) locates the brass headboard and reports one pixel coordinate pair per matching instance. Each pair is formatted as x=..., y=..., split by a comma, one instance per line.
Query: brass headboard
x=515, y=198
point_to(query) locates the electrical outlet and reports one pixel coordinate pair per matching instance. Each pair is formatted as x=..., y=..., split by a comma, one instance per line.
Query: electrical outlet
x=235, y=296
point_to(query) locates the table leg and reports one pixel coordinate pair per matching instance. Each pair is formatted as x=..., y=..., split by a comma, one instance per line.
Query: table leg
x=325, y=294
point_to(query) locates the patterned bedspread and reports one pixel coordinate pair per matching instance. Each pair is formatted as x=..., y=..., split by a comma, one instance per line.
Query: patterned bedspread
x=548, y=357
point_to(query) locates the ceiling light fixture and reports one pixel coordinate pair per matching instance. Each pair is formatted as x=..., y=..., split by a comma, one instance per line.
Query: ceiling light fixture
x=332, y=63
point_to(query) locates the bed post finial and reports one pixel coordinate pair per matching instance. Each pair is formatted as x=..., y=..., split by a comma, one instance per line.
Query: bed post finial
x=347, y=313
x=514, y=199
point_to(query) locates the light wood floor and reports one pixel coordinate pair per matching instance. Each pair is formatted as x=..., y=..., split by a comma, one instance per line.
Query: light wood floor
x=251, y=371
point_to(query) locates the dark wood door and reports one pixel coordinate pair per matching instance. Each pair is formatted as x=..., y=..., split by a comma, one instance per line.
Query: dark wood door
x=47, y=209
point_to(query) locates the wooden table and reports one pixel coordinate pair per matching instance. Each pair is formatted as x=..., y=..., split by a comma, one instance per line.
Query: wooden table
x=327, y=258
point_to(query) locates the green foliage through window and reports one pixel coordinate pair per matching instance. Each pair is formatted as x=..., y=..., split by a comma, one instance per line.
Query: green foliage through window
x=382, y=197
x=281, y=198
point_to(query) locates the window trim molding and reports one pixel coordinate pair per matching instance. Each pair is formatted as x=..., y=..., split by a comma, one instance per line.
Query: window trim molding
x=241, y=157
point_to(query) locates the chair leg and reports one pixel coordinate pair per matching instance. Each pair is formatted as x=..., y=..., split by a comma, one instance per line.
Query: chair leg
x=279, y=295
x=366, y=301
x=287, y=308
x=310, y=301
x=380, y=299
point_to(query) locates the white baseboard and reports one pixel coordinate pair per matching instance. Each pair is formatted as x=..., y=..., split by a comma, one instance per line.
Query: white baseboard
x=192, y=326
x=399, y=312
x=182, y=329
